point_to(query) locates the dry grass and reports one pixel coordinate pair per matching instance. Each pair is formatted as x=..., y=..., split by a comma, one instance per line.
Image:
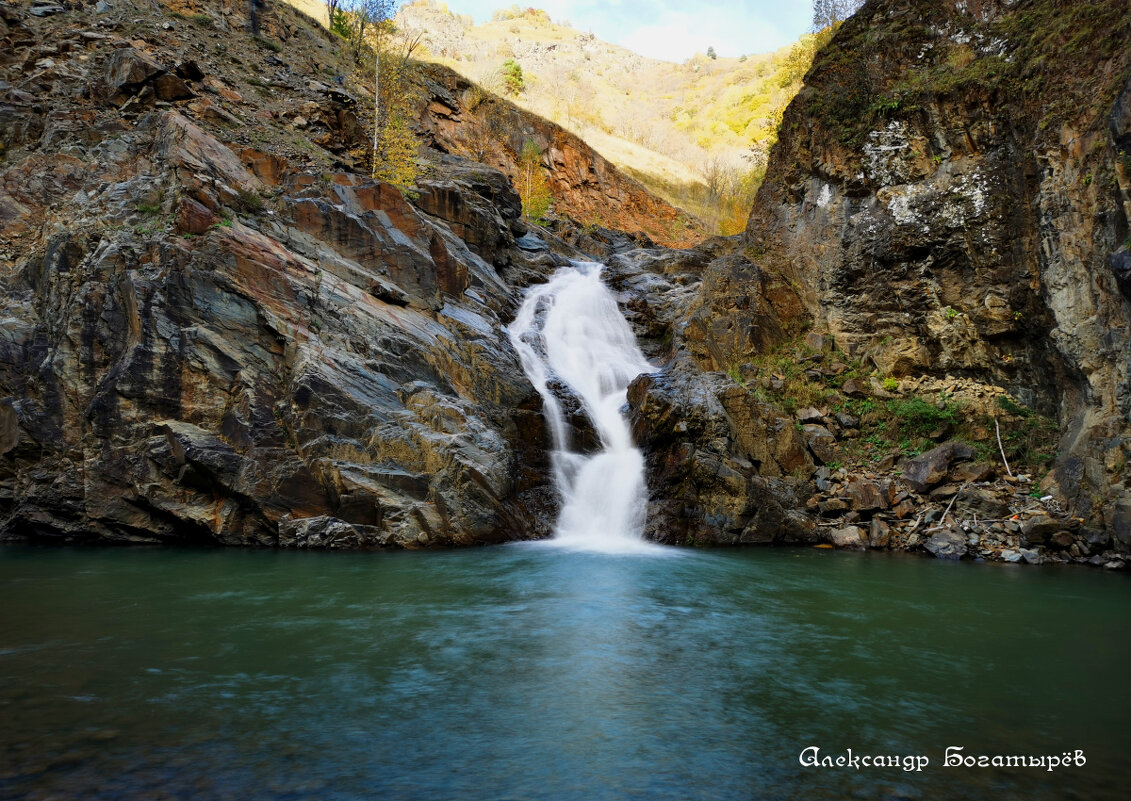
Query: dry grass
x=672, y=126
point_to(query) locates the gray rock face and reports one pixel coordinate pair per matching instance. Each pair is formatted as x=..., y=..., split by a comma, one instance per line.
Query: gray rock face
x=723, y=467
x=959, y=231
x=332, y=371
x=705, y=486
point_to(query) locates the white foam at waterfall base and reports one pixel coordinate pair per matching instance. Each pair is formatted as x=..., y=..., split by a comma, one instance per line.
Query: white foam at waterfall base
x=571, y=329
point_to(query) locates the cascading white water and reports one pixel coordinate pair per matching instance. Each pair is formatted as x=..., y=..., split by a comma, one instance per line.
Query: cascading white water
x=571, y=329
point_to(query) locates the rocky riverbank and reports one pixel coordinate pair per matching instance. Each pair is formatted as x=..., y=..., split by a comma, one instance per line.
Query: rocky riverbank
x=804, y=445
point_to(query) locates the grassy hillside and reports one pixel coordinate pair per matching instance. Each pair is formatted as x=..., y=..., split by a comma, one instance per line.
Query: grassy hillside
x=697, y=133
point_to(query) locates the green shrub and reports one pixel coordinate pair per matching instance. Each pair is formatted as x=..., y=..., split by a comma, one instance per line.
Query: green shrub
x=513, y=80
x=340, y=25
x=274, y=47
x=915, y=415
x=250, y=201
x=1008, y=405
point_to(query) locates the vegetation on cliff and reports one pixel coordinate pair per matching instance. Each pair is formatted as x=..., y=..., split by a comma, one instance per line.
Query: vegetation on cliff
x=948, y=195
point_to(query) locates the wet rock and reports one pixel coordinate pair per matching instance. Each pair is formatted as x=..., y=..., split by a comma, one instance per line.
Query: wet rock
x=703, y=486
x=321, y=532
x=947, y=544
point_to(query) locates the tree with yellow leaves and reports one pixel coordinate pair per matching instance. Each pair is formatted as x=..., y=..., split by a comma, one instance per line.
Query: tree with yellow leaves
x=395, y=145
x=533, y=187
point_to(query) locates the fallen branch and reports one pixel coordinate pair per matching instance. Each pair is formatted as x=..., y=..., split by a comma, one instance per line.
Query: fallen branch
x=952, y=500
x=997, y=428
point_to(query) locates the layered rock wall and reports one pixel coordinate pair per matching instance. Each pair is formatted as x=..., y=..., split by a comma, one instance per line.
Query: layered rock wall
x=205, y=341
x=949, y=195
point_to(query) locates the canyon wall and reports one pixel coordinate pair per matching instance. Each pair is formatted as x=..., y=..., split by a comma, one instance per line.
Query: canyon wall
x=950, y=196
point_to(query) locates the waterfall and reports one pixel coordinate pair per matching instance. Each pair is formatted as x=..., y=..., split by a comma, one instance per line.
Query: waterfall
x=570, y=329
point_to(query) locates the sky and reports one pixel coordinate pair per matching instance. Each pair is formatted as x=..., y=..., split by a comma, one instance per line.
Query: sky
x=673, y=31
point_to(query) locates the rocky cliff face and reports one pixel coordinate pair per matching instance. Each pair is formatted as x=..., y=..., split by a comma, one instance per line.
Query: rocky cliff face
x=948, y=221
x=950, y=198
x=203, y=340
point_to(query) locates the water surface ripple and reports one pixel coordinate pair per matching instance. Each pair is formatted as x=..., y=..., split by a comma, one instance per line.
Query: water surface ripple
x=534, y=673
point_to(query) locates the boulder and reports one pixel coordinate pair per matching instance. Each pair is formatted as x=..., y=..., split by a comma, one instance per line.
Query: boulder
x=879, y=534
x=866, y=495
x=822, y=444
x=1038, y=529
x=928, y=469
x=127, y=70
x=809, y=415
x=170, y=87
x=947, y=544
x=981, y=502
x=849, y=537
x=971, y=472
x=854, y=388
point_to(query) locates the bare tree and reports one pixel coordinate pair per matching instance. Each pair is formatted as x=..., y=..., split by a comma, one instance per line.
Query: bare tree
x=831, y=12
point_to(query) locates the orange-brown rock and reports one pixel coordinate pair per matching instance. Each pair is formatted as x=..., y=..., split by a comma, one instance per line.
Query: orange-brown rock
x=462, y=119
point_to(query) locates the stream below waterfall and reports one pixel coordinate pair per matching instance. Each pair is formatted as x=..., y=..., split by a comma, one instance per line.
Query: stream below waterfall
x=519, y=672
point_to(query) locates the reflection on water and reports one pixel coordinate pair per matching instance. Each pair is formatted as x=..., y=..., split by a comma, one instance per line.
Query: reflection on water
x=538, y=673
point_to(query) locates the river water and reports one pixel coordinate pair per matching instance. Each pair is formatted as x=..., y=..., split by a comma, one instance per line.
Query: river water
x=531, y=672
